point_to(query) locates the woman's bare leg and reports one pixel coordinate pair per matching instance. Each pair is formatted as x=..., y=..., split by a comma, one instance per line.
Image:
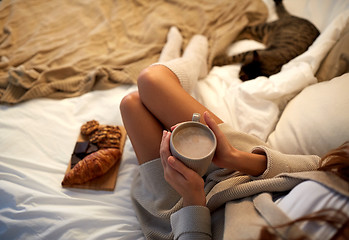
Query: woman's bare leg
x=162, y=94
x=143, y=129
x=162, y=99
x=160, y=103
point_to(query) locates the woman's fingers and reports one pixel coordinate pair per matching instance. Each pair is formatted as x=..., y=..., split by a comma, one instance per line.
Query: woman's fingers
x=187, y=183
x=165, y=148
x=180, y=167
x=183, y=179
x=174, y=126
x=172, y=175
x=224, y=151
x=211, y=123
x=166, y=157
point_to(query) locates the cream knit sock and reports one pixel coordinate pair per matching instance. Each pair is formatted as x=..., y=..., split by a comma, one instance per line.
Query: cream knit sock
x=192, y=65
x=172, y=48
x=196, y=51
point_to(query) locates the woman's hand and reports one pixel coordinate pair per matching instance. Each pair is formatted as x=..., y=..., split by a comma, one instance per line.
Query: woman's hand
x=184, y=180
x=226, y=156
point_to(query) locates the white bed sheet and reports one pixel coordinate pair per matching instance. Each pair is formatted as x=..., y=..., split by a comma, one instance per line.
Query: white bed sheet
x=255, y=106
x=38, y=137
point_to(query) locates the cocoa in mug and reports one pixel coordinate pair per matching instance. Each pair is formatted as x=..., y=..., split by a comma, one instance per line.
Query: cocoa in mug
x=194, y=144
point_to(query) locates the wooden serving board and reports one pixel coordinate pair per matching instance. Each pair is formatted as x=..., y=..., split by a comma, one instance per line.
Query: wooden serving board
x=107, y=181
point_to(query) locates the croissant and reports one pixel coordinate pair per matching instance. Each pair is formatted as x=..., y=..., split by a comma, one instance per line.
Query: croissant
x=92, y=166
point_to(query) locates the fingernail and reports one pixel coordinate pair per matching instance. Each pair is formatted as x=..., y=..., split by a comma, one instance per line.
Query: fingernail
x=171, y=160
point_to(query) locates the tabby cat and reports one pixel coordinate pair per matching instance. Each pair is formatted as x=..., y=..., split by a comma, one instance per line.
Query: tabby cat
x=285, y=38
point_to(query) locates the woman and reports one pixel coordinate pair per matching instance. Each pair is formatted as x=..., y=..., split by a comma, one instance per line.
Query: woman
x=237, y=196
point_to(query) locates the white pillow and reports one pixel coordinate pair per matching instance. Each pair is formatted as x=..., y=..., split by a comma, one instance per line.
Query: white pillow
x=316, y=120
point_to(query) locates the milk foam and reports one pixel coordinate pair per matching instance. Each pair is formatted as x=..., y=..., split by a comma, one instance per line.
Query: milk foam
x=193, y=142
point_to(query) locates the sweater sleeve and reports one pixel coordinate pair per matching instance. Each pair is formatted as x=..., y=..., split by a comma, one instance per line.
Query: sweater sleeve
x=192, y=222
x=278, y=162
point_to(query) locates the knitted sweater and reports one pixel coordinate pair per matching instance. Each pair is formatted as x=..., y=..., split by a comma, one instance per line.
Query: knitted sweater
x=238, y=205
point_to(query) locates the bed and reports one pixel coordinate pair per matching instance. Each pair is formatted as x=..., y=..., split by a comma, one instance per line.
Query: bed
x=301, y=110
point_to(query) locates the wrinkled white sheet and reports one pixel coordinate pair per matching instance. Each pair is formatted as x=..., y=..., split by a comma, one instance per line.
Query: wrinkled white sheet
x=255, y=106
x=37, y=138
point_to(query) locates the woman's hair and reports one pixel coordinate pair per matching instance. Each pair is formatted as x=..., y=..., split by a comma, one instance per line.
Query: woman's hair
x=336, y=218
x=337, y=162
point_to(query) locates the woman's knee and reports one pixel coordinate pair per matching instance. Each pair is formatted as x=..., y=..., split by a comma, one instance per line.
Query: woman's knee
x=129, y=102
x=152, y=77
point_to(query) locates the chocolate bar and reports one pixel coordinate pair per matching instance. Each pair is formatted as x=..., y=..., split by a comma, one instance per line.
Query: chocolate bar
x=81, y=147
x=91, y=148
x=81, y=150
x=74, y=160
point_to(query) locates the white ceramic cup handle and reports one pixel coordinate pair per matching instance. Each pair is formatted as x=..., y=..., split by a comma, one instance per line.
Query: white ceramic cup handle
x=196, y=117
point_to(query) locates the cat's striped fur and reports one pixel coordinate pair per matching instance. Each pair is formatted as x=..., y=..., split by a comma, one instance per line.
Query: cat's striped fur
x=285, y=38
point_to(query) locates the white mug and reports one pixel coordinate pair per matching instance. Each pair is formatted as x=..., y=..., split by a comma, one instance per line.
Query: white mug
x=194, y=144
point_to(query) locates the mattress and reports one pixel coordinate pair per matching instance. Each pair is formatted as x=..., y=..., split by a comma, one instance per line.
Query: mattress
x=38, y=136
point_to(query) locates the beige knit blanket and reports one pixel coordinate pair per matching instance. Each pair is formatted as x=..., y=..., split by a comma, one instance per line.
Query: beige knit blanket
x=59, y=49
